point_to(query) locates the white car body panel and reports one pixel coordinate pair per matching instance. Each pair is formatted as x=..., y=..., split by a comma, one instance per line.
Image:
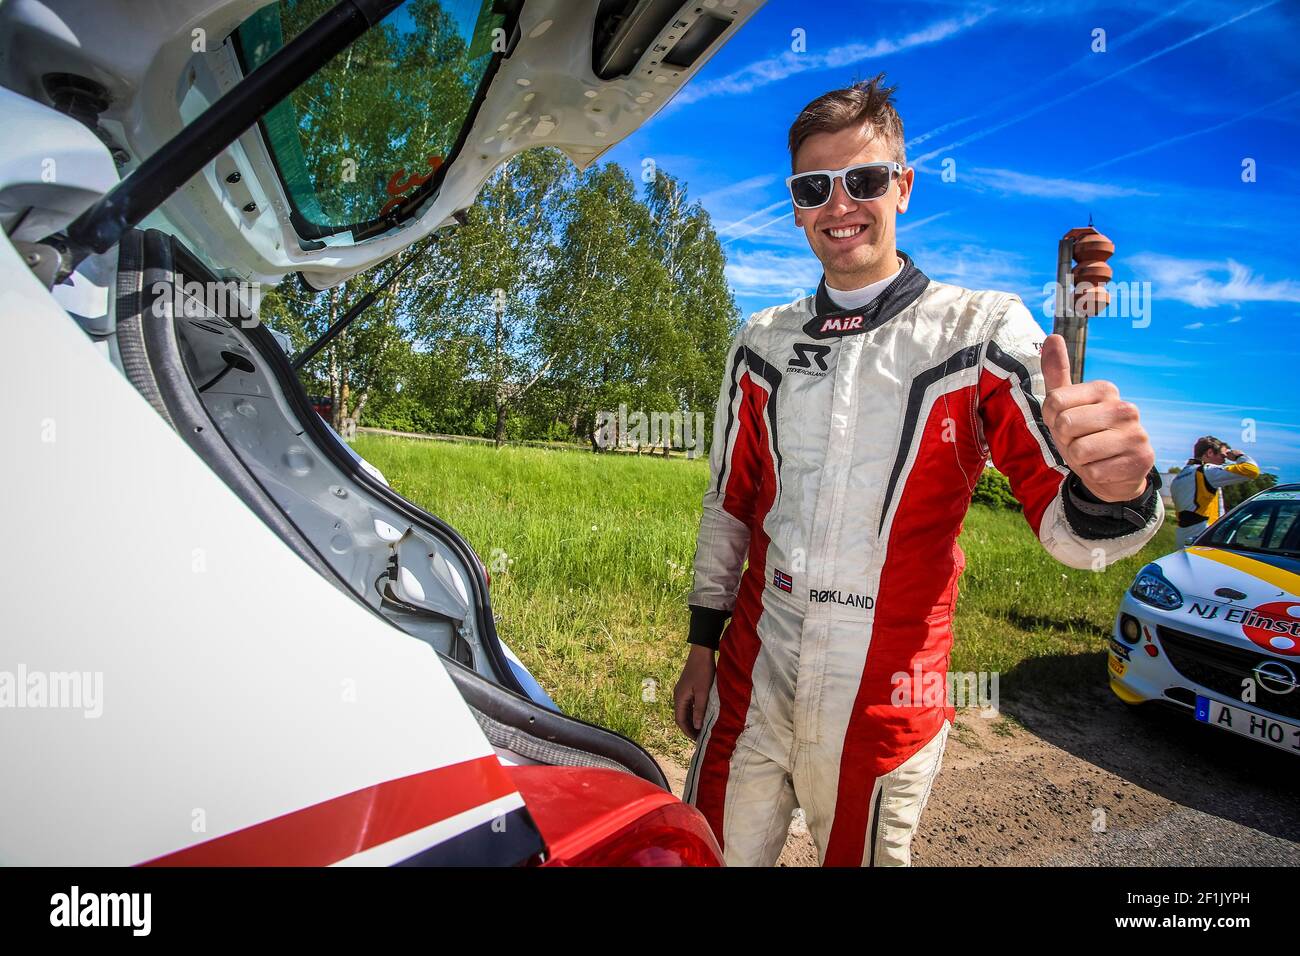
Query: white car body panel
x=225, y=659
x=234, y=690
x=1200, y=571
x=42, y=149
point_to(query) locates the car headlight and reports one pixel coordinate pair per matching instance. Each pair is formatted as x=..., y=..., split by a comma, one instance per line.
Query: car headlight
x=1152, y=587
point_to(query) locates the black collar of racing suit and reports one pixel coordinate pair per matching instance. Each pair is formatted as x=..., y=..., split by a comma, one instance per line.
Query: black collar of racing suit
x=829, y=321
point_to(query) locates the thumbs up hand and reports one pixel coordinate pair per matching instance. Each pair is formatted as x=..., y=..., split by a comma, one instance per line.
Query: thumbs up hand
x=1098, y=435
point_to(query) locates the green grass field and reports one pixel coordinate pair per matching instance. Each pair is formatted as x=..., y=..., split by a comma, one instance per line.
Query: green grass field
x=598, y=551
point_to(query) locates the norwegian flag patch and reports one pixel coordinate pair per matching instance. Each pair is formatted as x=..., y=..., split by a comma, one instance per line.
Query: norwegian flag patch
x=782, y=580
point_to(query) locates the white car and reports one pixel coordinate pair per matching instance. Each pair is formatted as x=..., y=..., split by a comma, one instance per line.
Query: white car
x=1214, y=629
x=225, y=639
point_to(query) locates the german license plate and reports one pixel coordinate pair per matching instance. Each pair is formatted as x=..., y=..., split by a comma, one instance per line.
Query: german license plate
x=1277, y=733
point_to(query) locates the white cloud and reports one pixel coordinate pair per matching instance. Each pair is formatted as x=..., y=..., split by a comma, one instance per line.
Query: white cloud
x=1010, y=182
x=1043, y=105
x=752, y=221
x=1211, y=406
x=1194, y=325
x=1165, y=143
x=762, y=227
x=1140, y=359
x=776, y=275
x=975, y=266
x=743, y=187
x=1207, y=283
x=780, y=234
x=1032, y=91
x=1173, y=431
x=907, y=225
x=776, y=68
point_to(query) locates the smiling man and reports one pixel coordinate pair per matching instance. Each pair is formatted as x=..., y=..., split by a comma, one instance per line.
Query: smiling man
x=851, y=428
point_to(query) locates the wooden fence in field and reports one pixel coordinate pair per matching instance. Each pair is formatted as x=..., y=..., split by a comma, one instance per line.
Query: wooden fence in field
x=658, y=451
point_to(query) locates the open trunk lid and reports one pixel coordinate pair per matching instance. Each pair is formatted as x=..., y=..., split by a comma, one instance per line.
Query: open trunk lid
x=390, y=138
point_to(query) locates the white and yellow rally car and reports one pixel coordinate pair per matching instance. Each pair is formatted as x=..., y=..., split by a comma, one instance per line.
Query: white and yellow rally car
x=1215, y=627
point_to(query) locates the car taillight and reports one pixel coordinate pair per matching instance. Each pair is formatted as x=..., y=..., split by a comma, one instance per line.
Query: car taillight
x=673, y=835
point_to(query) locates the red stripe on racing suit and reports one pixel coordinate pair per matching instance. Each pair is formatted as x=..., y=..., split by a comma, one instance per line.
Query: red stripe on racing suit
x=749, y=488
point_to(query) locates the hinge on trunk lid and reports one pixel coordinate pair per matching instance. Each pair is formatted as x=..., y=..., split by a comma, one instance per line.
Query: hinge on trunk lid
x=49, y=260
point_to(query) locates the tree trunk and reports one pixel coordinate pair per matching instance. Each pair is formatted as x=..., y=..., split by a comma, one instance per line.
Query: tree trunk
x=501, y=422
x=336, y=396
x=353, y=418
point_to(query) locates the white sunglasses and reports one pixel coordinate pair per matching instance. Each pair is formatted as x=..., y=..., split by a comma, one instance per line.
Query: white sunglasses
x=862, y=181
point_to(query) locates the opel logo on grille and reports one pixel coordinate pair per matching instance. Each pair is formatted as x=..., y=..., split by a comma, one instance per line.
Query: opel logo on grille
x=1275, y=677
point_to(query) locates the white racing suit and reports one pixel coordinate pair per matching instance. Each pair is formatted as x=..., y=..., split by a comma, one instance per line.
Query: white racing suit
x=845, y=450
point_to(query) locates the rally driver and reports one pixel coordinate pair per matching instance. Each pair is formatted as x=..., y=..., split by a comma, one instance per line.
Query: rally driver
x=851, y=428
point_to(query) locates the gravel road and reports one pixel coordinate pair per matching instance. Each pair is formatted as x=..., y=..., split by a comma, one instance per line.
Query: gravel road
x=1079, y=779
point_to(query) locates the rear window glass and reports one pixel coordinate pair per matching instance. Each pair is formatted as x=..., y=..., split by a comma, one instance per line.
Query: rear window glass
x=374, y=126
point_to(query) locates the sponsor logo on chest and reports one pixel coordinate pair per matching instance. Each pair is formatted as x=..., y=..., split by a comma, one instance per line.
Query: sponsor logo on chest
x=840, y=324
x=805, y=355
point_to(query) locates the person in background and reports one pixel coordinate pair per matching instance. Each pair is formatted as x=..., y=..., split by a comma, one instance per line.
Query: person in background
x=1197, y=490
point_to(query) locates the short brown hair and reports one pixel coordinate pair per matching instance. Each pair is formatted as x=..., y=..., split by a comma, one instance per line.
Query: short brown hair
x=867, y=102
x=1207, y=444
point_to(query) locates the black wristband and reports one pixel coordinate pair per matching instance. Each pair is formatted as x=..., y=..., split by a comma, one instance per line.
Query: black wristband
x=1090, y=517
x=706, y=626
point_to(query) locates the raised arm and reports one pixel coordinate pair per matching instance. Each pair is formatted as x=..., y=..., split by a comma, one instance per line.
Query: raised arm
x=1077, y=456
x=1242, y=468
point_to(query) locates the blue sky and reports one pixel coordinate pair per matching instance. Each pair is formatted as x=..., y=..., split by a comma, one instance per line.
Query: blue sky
x=1149, y=137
